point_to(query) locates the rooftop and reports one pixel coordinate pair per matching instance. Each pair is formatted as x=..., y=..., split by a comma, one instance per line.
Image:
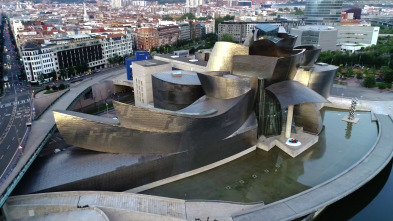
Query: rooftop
x=183, y=59
x=150, y=63
x=179, y=77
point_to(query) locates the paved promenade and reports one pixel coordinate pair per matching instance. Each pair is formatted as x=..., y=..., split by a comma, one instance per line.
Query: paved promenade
x=44, y=126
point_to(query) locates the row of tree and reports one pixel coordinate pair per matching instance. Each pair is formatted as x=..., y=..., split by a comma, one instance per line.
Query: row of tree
x=373, y=57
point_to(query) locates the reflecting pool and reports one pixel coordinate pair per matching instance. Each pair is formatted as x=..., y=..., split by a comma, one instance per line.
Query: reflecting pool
x=270, y=176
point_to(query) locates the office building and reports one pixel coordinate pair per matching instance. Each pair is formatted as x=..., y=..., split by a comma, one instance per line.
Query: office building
x=325, y=37
x=326, y=12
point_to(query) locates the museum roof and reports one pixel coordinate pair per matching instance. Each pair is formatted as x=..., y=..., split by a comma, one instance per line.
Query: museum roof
x=179, y=77
x=150, y=63
x=183, y=59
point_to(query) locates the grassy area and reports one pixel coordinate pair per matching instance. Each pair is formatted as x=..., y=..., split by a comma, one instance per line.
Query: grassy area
x=49, y=92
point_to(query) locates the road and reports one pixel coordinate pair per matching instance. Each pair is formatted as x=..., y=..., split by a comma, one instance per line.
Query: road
x=14, y=105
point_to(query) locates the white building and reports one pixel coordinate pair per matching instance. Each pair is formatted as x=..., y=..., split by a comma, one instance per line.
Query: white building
x=116, y=4
x=71, y=51
x=323, y=36
x=37, y=60
x=142, y=71
x=194, y=3
x=117, y=44
x=355, y=34
x=139, y=3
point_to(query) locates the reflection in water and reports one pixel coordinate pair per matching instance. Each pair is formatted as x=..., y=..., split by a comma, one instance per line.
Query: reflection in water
x=365, y=202
x=274, y=175
x=348, y=130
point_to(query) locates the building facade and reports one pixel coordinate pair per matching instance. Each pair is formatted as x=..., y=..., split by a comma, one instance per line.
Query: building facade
x=239, y=30
x=168, y=35
x=195, y=30
x=37, y=61
x=142, y=76
x=147, y=38
x=326, y=12
x=184, y=31
x=117, y=44
x=76, y=50
x=325, y=37
x=354, y=34
x=71, y=51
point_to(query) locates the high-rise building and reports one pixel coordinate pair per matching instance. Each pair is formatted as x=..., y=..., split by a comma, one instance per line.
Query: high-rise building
x=116, y=3
x=85, y=15
x=194, y=3
x=323, y=12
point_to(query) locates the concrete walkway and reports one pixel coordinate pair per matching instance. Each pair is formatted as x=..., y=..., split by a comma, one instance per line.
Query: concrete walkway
x=43, y=128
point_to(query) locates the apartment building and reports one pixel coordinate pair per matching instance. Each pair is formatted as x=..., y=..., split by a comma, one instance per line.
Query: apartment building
x=70, y=51
x=75, y=50
x=240, y=29
x=168, y=34
x=147, y=38
x=195, y=30
x=117, y=44
x=37, y=60
x=184, y=31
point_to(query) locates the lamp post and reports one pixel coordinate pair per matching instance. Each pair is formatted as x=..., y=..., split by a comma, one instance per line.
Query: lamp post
x=106, y=108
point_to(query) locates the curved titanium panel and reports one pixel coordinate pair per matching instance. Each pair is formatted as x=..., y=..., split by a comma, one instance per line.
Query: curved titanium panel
x=285, y=67
x=310, y=55
x=229, y=114
x=292, y=92
x=309, y=117
x=221, y=56
x=82, y=131
x=254, y=66
x=175, y=96
x=222, y=85
x=322, y=79
x=287, y=42
x=153, y=131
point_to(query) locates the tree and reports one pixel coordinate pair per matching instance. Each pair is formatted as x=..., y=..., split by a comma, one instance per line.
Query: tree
x=387, y=74
x=71, y=71
x=40, y=78
x=61, y=87
x=63, y=74
x=53, y=74
x=188, y=16
x=167, y=17
x=227, y=38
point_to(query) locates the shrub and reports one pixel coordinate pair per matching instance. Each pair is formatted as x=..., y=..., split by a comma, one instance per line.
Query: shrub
x=388, y=85
x=359, y=76
x=54, y=87
x=369, y=81
x=381, y=86
x=62, y=87
x=47, y=87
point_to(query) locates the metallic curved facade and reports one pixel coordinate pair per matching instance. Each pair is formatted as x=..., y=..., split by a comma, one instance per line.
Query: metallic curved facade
x=292, y=92
x=245, y=92
x=310, y=55
x=322, y=79
x=175, y=95
x=223, y=85
x=221, y=56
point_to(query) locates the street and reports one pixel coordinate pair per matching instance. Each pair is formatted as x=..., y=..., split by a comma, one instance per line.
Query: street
x=14, y=105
